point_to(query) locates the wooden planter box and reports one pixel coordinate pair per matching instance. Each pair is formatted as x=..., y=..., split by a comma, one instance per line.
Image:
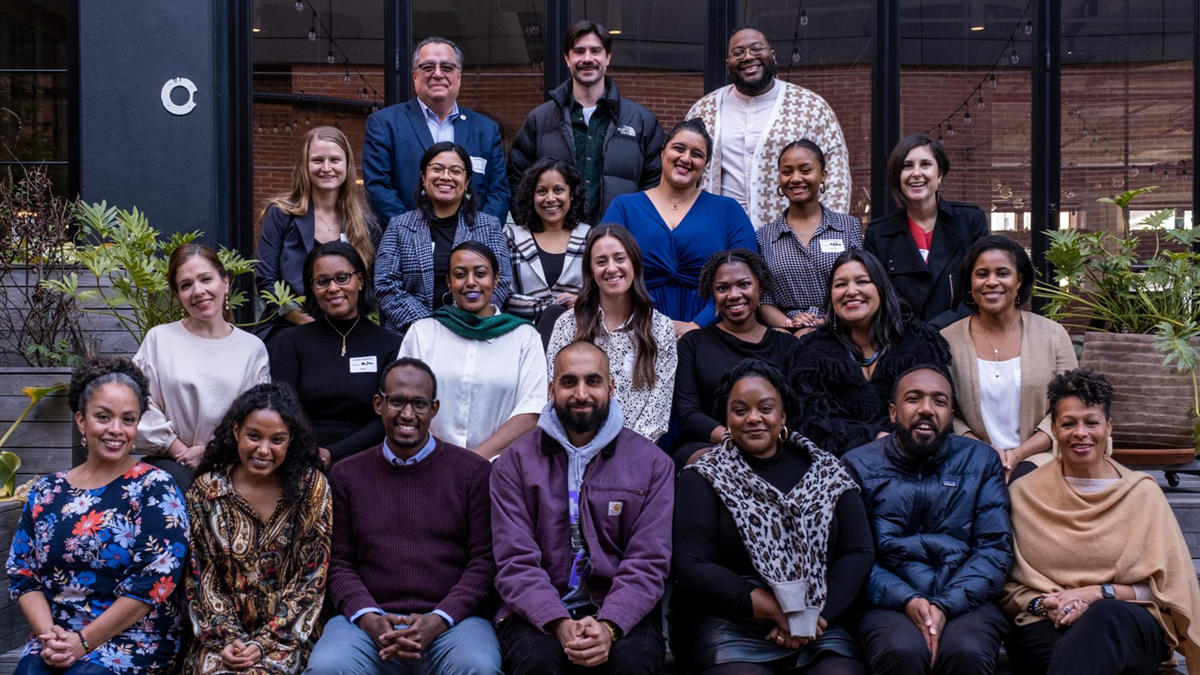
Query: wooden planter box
x=1152, y=403
x=13, y=628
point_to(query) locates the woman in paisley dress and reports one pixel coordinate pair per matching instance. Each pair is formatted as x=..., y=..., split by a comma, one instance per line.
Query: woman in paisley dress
x=261, y=514
x=99, y=549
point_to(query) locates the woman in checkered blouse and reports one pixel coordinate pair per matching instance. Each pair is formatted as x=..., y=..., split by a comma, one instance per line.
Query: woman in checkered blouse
x=802, y=243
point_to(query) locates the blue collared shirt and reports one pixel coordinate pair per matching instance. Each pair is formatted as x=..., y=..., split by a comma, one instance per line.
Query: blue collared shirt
x=393, y=459
x=441, y=131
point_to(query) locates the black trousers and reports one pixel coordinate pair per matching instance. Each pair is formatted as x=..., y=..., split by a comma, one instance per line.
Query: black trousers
x=1112, y=637
x=528, y=651
x=892, y=644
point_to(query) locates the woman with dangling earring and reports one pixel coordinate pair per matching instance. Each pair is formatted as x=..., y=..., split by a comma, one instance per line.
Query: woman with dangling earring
x=196, y=366
x=410, y=274
x=802, y=243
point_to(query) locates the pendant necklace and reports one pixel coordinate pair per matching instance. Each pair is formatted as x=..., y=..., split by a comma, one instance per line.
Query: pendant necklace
x=340, y=332
x=995, y=349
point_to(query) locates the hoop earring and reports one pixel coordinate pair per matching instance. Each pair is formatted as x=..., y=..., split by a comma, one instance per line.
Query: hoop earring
x=784, y=434
x=822, y=191
x=779, y=191
x=450, y=301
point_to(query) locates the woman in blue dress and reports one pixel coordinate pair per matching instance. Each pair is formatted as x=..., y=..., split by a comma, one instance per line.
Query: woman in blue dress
x=99, y=549
x=679, y=227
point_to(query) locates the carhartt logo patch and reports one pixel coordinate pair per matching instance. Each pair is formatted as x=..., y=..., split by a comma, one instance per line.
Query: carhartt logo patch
x=614, y=508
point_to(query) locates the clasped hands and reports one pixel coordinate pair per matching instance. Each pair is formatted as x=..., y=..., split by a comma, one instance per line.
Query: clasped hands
x=418, y=632
x=929, y=620
x=586, y=642
x=61, y=648
x=1065, y=607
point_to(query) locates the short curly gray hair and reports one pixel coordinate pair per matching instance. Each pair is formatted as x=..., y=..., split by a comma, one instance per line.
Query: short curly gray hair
x=435, y=40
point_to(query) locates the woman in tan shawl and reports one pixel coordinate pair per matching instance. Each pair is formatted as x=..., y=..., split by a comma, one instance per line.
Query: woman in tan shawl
x=1103, y=581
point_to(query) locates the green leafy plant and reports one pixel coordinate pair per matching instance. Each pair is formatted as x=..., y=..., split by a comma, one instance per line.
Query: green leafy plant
x=1100, y=284
x=11, y=463
x=121, y=248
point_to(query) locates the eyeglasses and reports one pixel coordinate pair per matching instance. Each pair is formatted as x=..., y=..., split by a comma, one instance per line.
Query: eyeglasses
x=419, y=405
x=342, y=279
x=756, y=50
x=438, y=169
x=429, y=66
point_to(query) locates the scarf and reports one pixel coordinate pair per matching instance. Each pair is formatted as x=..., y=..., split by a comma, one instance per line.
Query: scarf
x=475, y=327
x=1123, y=534
x=787, y=536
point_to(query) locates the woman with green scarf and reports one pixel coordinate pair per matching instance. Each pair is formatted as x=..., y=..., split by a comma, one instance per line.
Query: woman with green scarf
x=490, y=366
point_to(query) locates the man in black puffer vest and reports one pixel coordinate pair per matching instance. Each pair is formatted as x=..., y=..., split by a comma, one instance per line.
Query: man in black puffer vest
x=943, y=539
x=615, y=143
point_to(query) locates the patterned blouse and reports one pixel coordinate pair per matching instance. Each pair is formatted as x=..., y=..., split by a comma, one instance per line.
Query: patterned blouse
x=799, y=275
x=258, y=582
x=83, y=549
x=647, y=411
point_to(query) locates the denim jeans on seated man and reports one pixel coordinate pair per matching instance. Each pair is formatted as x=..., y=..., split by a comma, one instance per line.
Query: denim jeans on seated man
x=469, y=648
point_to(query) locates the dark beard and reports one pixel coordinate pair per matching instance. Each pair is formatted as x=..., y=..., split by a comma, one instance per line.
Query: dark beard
x=917, y=450
x=766, y=79
x=582, y=423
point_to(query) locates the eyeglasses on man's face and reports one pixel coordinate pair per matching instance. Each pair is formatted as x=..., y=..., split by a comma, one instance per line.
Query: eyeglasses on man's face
x=447, y=68
x=341, y=279
x=756, y=50
x=419, y=405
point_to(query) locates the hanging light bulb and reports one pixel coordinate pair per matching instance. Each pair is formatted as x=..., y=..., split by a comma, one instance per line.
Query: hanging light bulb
x=287, y=126
x=992, y=80
x=260, y=127
x=1151, y=169
x=329, y=57
x=1013, y=58
x=1117, y=182
x=1070, y=194
x=1135, y=172
x=307, y=119
x=795, y=55
x=967, y=117
x=275, y=129
x=980, y=104
x=993, y=207
x=364, y=94
x=346, y=76
x=312, y=33
x=803, y=17
x=950, y=130
x=1028, y=27
x=299, y=5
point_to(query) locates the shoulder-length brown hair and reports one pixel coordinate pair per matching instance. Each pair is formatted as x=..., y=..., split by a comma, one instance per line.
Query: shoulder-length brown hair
x=587, y=306
x=357, y=220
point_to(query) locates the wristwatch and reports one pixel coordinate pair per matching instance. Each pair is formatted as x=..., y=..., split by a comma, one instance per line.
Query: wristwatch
x=613, y=630
x=1107, y=592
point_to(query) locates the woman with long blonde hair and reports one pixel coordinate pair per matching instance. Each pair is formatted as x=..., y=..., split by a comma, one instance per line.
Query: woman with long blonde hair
x=325, y=203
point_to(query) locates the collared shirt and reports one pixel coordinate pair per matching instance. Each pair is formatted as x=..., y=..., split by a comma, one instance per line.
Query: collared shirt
x=589, y=150
x=647, y=411
x=799, y=275
x=442, y=131
x=743, y=120
x=422, y=454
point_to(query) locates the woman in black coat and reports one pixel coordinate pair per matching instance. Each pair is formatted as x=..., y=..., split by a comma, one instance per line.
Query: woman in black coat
x=922, y=244
x=844, y=372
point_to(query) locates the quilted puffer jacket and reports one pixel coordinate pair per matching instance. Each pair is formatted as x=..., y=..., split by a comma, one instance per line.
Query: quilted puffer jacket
x=941, y=527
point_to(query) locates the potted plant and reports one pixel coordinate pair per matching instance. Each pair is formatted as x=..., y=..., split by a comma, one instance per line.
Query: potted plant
x=1142, y=319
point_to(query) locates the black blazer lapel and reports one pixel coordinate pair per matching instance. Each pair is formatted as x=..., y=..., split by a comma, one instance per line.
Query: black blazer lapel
x=414, y=114
x=307, y=224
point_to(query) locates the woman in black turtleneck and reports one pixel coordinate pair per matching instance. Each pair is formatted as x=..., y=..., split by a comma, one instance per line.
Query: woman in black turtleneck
x=751, y=516
x=334, y=362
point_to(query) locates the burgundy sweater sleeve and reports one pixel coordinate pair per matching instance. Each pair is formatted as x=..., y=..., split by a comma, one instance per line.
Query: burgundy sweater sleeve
x=476, y=584
x=346, y=588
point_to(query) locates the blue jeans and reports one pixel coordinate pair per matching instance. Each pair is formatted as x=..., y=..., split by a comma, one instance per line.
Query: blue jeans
x=469, y=648
x=34, y=665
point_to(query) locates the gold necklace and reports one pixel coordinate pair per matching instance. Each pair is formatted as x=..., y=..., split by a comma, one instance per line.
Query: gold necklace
x=995, y=349
x=675, y=205
x=340, y=332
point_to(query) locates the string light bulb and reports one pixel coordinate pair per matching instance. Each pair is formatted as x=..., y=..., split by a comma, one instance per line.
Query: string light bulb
x=967, y=117
x=346, y=76
x=1028, y=27
x=980, y=104
x=950, y=130
x=992, y=80
x=299, y=5
x=803, y=17
x=312, y=33
x=275, y=129
x=1013, y=58
x=364, y=94
x=329, y=58
x=795, y=55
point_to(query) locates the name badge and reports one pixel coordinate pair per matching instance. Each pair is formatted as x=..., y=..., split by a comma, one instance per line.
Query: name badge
x=479, y=164
x=832, y=246
x=364, y=364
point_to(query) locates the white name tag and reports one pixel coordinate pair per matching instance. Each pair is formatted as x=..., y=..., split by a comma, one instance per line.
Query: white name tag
x=479, y=164
x=832, y=246
x=364, y=364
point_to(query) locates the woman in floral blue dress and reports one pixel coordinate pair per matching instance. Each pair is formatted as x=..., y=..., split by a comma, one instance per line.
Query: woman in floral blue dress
x=100, y=549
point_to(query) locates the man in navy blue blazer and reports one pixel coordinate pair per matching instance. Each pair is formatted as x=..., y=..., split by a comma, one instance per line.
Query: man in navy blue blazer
x=398, y=135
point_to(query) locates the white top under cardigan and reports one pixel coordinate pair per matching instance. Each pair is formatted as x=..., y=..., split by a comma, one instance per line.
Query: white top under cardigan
x=193, y=381
x=745, y=119
x=1000, y=401
x=481, y=383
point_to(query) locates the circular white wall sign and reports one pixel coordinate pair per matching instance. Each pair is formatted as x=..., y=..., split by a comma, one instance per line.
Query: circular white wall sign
x=175, y=108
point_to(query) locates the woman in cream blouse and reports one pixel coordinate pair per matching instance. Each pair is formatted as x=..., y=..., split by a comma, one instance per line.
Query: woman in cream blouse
x=1003, y=358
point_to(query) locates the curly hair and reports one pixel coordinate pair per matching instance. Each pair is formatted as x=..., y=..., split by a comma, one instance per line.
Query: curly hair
x=89, y=376
x=1086, y=385
x=752, y=260
x=754, y=368
x=302, y=452
x=524, y=213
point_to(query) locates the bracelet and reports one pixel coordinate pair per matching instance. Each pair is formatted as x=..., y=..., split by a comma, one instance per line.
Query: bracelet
x=83, y=641
x=1035, y=607
x=612, y=629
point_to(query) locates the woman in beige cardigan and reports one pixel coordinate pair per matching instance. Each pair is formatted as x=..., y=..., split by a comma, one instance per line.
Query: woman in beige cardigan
x=1102, y=581
x=1002, y=358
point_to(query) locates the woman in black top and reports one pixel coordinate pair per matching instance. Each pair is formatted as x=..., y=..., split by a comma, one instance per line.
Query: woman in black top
x=753, y=595
x=334, y=362
x=843, y=372
x=735, y=280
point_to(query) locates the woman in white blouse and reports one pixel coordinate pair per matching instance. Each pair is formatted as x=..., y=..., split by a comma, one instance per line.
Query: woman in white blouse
x=490, y=366
x=1003, y=358
x=196, y=366
x=615, y=312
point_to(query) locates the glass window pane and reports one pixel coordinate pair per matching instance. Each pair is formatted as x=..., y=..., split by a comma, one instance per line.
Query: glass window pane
x=825, y=46
x=965, y=79
x=658, y=51
x=1126, y=111
x=33, y=34
x=296, y=87
x=502, y=48
x=33, y=117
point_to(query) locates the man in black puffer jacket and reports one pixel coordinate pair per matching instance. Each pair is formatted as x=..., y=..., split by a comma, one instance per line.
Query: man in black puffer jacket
x=943, y=539
x=615, y=143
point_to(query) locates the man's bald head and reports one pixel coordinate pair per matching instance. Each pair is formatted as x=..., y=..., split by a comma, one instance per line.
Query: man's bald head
x=584, y=349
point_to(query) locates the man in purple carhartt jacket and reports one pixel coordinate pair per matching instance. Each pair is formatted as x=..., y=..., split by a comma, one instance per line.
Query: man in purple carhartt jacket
x=581, y=530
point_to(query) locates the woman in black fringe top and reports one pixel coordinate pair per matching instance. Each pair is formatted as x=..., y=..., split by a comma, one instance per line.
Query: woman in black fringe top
x=843, y=372
x=334, y=362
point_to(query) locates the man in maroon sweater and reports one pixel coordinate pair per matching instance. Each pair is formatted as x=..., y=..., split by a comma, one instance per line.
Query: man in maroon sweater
x=411, y=572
